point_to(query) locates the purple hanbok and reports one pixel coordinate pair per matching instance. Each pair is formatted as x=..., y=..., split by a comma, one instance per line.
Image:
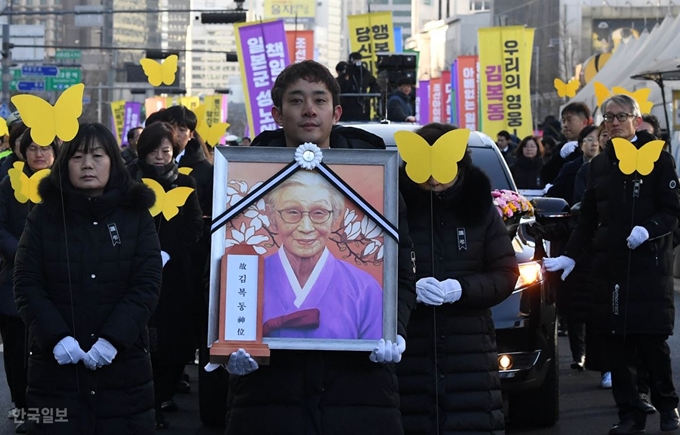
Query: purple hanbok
x=339, y=301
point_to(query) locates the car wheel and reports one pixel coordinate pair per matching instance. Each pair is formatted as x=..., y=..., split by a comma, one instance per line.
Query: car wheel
x=540, y=407
x=212, y=393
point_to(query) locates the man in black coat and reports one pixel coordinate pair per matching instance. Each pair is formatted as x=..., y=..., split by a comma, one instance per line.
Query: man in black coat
x=627, y=221
x=320, y=392
x=399, y=107
x=359, y=80
x=575, y=117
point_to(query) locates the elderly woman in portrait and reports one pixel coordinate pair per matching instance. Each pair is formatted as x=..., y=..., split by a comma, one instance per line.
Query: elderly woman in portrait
x=308, y=293
x=87, y=277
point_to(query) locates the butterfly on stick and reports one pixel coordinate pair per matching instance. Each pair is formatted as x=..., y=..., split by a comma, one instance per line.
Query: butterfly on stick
x=632, y=159
x=160, y=73
x=439, y=161
x=168, y=202
x=25, y=187
x=566, y=89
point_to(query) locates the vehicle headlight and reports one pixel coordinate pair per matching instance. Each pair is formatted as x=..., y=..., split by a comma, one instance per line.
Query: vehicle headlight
x=505, y=362
x=529, y=273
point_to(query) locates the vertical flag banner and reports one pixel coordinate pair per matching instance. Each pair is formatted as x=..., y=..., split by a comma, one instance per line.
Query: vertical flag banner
x=423, y=102
x=131, y=119
x=455, y=91
x=370, y=34
x=263, y=49
x=118, y=113
x=398, y=39
x=466, y=75
x=436, y=100
x=213, y=109
x=225, y=108
x=446, y=97
x=300, y=45
x=153, y=105
x=505, y=75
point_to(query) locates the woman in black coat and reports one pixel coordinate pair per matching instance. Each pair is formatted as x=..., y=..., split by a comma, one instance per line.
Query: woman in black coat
x=465, y=264
x=13, y=211
x=87, y=277
x=173, y=324
x=528, y=164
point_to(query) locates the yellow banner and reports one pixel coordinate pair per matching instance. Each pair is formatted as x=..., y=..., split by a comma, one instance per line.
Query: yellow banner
x=118, y=112
x=289, y=8
x=505, y=77
x=213, y=109
x=370, y=34
x=190, y=103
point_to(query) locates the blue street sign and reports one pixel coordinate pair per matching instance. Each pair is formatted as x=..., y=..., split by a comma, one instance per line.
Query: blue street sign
x=4, y=111
x=39, y=70
x=30, y=86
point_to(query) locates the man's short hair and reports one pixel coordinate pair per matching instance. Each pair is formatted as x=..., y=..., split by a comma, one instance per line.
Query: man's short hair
x=309, y=70
x=404, y=81
x=578, y=108
x=654, y=122
x=504, y=134
x=341, y=67
x=354, y=56
x=154, y=117
x=624, y=101
x=180, y=116
x=131, y=132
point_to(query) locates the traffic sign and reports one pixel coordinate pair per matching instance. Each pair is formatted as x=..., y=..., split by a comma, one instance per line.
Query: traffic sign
x=68, y=55
x=30, y=86
x=39, y=70
x=66, y=78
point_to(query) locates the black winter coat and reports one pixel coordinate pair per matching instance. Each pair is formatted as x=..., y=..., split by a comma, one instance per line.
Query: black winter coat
x=461, y=334
x=7, y=164
x=399, y=107
x=323, y=392
x=527, y=172
x=173, y=325
x=638, y=284
x=563, y=185
x=12, y=220
x=202, y=172
x=73, y=279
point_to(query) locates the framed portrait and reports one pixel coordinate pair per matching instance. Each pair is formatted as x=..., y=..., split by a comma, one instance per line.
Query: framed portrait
x=321, y=273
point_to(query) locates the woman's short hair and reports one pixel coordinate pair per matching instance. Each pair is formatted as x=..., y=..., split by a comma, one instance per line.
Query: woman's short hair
x=525, y=141
x=27, y=141
x=16, y=132
x=585, y=132
x=90, y=136
x=307, y=178
x=152, y=137
x=434, y=130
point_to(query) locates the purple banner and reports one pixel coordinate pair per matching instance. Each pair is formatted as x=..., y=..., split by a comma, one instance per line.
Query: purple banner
x=263, y=54
x=133, y=112
x=423, y=102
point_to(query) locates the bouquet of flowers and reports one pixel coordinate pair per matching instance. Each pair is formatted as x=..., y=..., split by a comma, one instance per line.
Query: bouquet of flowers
x=511, y=205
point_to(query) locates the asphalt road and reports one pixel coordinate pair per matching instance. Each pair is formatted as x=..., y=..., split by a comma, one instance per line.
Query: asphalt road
x=585, y=409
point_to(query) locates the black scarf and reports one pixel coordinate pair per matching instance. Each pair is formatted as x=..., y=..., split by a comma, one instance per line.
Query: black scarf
x=165, y=175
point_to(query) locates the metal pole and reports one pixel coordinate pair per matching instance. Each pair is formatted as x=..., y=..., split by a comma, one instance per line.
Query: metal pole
x=99, y=103
x=665, y=112
x=538, y=54
x=6, y=63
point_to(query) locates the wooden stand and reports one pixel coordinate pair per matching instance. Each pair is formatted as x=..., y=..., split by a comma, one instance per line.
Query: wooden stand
x=222, y=348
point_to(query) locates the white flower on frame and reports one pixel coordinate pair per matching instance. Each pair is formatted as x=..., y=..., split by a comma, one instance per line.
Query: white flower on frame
x=308, y=156
x=246, y=236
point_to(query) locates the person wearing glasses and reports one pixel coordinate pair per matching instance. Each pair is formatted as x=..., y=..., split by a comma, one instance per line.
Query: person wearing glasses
x=627, y=223
x=327, y=297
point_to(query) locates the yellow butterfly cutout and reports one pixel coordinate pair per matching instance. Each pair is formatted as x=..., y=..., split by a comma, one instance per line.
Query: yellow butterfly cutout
x=439, y=161
x=632, y=159
x=185, y=170
x=212, y=134
x=167, y=202
x=640, y=95
x=26, y=188
x=47, y=121
x=4, y=131
x=566, y=89
x=200, y=118
x=157, y=72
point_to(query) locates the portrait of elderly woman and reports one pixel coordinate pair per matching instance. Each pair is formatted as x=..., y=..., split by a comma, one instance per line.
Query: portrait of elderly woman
x=308, y=292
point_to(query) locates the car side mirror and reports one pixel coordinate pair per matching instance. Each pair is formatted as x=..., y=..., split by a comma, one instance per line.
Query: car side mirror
x=546, y=209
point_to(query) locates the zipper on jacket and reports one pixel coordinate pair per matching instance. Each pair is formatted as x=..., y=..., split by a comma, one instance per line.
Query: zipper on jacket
x=615, y=300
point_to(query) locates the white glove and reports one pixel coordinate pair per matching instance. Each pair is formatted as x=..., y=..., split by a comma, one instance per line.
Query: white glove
x=431, y=291
x=547, y=188
x=165, y=257
x=240, y=363
x=388, y=352
x=211, y=367
x=101, y=354
x=637, y=237
x=68, y=351
x=568, y=148
x=562, y=262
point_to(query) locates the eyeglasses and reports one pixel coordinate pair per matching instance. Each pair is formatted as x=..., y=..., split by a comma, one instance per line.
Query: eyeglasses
x=293, y=216
x=621, y=117
x=36, y=149
x=590, y=140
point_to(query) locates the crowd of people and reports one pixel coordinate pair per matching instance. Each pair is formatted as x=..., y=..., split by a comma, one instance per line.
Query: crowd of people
x=103, y=301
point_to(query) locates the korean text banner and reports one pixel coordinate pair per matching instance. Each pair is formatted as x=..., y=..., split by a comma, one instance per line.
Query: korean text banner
x=300, y=45
x=118, y=115
x=423, y=102
x=436, y=100
x=303, y=10
x=466, y=75
x=132, y=119
x=264, y=51
x=370, y=34
x=505, y=68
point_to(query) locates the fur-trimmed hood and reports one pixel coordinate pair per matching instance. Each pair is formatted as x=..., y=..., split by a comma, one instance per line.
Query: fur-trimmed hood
x=469, y=199
x=134, y=195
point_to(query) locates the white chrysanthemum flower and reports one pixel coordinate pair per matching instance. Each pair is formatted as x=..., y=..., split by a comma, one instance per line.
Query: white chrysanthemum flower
x=308, y=156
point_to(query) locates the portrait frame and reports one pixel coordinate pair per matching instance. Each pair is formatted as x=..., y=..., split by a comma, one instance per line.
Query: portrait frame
x=379, y=163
